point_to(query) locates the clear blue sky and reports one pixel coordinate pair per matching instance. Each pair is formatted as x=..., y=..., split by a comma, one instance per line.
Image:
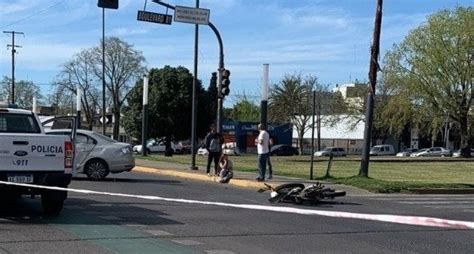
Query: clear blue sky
x=326, y=38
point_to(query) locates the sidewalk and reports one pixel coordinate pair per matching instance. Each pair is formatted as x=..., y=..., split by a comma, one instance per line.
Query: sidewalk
x=241, y=179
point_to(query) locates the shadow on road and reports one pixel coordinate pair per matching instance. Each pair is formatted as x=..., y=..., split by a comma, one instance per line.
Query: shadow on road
x=79, y=211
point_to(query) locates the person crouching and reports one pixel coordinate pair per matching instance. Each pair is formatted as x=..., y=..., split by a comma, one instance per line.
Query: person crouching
x=226, y=169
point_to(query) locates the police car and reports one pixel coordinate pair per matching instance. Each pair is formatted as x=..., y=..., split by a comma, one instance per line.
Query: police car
x=29, y=156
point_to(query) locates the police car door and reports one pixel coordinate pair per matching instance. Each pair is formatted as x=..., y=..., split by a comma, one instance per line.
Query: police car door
x=84, y=147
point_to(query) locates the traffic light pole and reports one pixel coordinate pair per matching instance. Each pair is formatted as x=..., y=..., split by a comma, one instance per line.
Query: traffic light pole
x=220, y=99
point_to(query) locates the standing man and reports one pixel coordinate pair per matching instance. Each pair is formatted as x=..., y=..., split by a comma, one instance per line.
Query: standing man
x=263, y=151
x=213, y=144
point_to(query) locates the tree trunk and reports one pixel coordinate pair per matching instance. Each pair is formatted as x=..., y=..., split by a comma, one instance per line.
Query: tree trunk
x=465, y=138
x=300, y=140
x=116, y=124
x=318, y=124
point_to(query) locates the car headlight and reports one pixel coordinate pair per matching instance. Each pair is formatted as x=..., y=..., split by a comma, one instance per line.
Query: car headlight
x=125, y=150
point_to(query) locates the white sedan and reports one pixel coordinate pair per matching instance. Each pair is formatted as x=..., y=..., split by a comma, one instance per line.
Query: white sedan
x=154, y=146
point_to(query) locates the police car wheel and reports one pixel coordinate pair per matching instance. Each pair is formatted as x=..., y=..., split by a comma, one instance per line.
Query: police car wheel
x=52, y=202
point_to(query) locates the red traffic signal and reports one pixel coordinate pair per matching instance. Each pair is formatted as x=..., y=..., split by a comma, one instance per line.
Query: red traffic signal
x=108, y=4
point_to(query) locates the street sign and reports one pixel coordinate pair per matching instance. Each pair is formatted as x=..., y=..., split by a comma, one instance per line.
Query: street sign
x=191, y=15
x=154, y=17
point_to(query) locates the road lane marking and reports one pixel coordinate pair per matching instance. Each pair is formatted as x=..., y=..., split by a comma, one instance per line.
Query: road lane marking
x=158, y=232
x=187, y=242
x=399, y=219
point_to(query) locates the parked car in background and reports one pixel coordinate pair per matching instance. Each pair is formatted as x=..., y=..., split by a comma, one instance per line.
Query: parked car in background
x=283, y=150
x=457, y=153
x=335, y=151
x=98, y=155
x=157, y=146
x=202, y=150
x=432, y=152
x=379, y=150
x=407, y=152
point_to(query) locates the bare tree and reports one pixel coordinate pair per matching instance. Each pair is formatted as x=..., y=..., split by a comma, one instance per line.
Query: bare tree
x=79, y=74
x=24, y=92
x=124, y=66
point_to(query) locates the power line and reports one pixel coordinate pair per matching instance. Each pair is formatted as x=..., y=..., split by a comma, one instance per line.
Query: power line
x=34, y=14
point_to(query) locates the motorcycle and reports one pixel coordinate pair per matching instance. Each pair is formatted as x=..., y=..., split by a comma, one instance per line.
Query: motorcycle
x=298, y=193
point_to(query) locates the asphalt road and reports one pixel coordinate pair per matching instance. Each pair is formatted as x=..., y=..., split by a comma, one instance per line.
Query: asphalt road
x=106, y=224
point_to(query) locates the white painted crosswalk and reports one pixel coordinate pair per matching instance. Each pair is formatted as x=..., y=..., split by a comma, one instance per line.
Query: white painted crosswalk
x=463, y=203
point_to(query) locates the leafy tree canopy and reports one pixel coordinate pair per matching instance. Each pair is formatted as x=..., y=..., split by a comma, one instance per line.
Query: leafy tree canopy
x=169, y=105
x=429, y=74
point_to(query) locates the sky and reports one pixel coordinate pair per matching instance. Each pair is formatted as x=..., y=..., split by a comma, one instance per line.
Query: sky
x=329, y=39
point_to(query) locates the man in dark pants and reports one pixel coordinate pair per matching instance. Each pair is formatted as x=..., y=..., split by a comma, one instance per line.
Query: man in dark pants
x=213, y=144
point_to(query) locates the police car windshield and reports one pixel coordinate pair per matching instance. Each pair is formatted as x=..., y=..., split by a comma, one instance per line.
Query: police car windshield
x=18, y=123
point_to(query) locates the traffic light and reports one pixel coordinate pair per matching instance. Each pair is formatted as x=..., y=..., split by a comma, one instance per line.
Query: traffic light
x=108, y=4
x=225, y=82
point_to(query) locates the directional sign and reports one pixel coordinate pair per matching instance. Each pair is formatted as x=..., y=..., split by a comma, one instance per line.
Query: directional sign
x=191, y=15
x=154, y=17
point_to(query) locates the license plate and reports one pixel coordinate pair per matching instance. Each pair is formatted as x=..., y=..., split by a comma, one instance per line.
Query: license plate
x=21, y=178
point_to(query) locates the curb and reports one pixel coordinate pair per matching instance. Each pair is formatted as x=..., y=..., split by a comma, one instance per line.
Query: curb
x=197, y=176
x=246, y=183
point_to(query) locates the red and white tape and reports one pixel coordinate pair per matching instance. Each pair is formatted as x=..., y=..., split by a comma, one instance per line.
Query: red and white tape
x=400, y=219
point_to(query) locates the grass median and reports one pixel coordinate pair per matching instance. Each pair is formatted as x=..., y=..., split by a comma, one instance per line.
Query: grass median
x=386, y=174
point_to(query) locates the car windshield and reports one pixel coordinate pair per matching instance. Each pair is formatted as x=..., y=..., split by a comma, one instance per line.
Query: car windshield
x=18, y=123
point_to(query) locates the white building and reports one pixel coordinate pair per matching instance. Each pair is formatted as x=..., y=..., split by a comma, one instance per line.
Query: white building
x=339, y=135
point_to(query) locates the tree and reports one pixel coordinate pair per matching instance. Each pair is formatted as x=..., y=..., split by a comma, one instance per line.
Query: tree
x=212, y=95
x=290, y=101
x=246, y=111
x=79, y=74
x=123, y=67
x=169, y=104
x=63, y=100
x=326, y=105
x=24, y=92
x=431, y=72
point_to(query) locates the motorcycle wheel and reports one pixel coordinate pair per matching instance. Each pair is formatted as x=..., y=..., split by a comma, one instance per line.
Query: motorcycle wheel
x=283, y=189
x=333, y=194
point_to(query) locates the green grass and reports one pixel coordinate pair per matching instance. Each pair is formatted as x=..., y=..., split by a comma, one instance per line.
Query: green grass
x=385, y=174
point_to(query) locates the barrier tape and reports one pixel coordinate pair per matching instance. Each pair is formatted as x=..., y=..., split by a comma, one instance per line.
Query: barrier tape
x=399, y=219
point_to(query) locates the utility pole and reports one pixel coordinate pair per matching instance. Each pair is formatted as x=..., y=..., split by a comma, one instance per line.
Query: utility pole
x=104, y=116
x=369, y=115
x=13, y=46
x=194, y=100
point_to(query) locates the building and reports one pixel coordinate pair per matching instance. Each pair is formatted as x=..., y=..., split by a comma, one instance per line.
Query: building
x=340, y=134
x=245, y=133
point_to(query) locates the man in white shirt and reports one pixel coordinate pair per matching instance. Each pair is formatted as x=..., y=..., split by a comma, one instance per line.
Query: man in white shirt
x=263, y=151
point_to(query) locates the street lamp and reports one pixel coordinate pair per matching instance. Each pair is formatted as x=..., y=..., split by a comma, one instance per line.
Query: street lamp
x=264, y=102
x=145, y=115
x=105, y=4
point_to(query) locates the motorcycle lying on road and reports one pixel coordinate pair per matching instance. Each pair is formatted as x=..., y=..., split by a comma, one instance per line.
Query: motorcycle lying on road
x=298, y=193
